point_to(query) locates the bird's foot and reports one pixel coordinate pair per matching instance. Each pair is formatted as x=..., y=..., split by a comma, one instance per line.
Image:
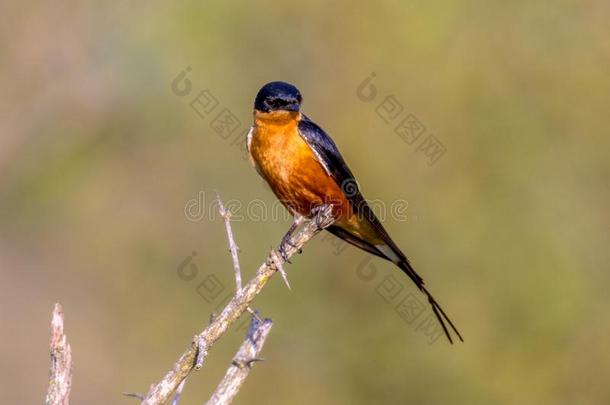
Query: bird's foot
x=287, y=241
x=321, y=215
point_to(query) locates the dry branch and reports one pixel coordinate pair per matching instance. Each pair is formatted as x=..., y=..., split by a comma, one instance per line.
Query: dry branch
x=226, y=215
x=197, y=351
x=242, y=363
x=60, y=376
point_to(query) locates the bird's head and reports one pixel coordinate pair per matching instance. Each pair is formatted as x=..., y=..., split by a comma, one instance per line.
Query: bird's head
x=278, y=96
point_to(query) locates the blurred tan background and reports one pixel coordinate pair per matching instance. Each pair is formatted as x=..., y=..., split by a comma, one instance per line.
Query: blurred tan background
x=99, y=158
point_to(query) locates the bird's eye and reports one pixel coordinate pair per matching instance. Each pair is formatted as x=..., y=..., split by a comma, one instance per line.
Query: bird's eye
x=276, y=102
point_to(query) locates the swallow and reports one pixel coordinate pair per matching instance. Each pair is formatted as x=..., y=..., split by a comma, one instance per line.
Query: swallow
x=306, y=171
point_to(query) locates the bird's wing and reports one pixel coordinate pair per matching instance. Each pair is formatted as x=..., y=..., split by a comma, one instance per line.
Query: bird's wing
x=325, y=150
x=330, y=158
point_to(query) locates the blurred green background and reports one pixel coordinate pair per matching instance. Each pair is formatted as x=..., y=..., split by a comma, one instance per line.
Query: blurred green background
x=99, y=158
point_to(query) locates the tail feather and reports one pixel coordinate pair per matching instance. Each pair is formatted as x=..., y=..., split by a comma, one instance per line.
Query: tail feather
x=391, y=252
x=436, y=308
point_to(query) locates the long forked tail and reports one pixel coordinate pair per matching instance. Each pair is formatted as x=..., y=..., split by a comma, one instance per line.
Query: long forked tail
x=436, y=308
x=391, y=252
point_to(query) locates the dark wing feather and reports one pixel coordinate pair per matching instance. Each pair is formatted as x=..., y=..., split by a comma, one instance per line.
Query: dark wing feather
x=325, y=149
x=330, y=158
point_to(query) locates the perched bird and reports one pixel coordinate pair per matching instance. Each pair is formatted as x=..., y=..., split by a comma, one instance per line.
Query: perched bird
x=305, y=170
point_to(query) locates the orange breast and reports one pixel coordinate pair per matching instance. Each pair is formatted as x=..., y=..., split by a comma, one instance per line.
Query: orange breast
x=290, y=167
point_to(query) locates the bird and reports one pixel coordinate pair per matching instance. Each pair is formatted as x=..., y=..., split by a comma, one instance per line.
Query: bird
x=306, y=171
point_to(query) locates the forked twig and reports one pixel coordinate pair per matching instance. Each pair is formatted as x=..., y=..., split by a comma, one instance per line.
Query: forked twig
x=242, y=362
x=226, y=215
x=195, y=354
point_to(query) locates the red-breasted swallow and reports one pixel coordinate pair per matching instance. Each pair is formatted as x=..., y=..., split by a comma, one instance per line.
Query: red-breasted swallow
x=305, y=170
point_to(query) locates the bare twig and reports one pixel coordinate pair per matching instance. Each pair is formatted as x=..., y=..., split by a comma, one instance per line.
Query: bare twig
x=202, y=351
x=241, y=364
x=277, y=262
x=136, y=395
x=226, y=215
x=60, y=378
x=178, y=393
x=163, y=390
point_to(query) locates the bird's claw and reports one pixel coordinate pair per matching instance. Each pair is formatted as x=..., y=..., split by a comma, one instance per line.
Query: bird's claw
x=319, y=214
x=283, y=253
x=287, y=241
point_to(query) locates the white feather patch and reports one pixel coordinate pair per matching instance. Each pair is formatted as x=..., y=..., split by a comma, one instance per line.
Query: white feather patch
x=248, y=143
x=320, y=160
x=249, y=138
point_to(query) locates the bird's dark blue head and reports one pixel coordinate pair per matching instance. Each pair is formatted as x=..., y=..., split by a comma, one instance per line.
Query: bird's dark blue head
x=278, y=96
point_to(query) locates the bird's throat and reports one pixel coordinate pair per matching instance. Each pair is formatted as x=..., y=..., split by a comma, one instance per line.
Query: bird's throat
x=276, y=118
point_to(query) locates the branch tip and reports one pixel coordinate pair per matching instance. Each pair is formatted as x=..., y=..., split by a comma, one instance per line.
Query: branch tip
x=60, y=373
x=232, y=245
x=134, y=395
x=202, y=352
x=277, y=263
x=242, y=362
